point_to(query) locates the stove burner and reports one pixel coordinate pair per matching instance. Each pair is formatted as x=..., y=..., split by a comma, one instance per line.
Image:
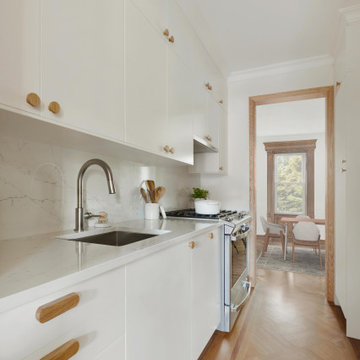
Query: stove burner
x=191, y=214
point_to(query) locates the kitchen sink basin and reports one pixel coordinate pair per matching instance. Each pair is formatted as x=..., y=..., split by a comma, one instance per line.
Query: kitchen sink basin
x=114, y=238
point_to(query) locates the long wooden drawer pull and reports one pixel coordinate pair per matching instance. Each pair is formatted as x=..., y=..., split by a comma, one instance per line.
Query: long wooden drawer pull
x=57, y=307
x=63, y=352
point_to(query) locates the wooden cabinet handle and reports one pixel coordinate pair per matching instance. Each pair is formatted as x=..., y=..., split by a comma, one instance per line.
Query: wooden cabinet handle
x=166, y=33
x=191, y=244
x=221, y=101
x=54, y=107
x=33, y=99
x=221, y=168
x=211, y=235
x=171, y=39
x=208, y=138
x=171, y=150
x=57, y=307
x=207, y=85
x=63, y=352
x=166, y=148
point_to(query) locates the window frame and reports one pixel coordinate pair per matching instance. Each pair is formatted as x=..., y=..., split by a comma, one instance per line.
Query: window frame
x=306, y=147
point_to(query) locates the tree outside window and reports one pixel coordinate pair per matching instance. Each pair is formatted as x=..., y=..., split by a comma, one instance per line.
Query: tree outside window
x=290, y=183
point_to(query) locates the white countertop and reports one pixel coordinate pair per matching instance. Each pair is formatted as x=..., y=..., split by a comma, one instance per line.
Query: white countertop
x=35, y=266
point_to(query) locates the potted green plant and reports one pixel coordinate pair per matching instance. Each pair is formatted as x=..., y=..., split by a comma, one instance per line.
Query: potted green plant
x=199, y=193
x=202, y=205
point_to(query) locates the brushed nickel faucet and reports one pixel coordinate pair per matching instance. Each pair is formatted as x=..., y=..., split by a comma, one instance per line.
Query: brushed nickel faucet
x=79, y=211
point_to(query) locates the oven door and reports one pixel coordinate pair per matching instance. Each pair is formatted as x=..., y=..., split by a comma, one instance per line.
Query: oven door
x=240, y=286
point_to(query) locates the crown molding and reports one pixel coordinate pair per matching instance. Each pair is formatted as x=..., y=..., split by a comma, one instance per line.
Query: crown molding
x=281, y=68
x=350, y=14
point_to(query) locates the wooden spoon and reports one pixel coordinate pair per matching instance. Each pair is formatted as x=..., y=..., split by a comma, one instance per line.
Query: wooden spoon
x=150, y=184
x=159, y=193
x=143, y=193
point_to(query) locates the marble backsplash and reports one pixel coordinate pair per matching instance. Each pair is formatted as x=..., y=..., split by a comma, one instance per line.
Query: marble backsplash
x=38, y=187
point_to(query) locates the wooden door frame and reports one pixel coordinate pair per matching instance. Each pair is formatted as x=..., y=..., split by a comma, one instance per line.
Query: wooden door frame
x=327, y=93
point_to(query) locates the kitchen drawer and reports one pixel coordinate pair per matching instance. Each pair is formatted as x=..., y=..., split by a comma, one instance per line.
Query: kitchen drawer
x=96, y=322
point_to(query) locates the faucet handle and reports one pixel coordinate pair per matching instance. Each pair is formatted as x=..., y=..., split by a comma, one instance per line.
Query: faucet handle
x=89, y=215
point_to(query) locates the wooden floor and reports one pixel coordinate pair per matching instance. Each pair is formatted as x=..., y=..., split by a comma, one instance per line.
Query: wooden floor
x=286, y=317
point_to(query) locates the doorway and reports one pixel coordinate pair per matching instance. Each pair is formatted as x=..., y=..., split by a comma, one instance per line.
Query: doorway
x=326, y=93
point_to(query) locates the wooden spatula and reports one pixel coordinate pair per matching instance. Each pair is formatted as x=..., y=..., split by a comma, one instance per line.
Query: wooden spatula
x=143, y=193
x=159, y=193
x=150, y=184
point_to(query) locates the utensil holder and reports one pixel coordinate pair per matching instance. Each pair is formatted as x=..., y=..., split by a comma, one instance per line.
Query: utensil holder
x=152, y=211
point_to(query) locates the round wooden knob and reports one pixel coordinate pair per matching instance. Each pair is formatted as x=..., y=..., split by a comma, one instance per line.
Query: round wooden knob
x=221, y=168
x=208, y=138
x=210, y=87
x=166, y=32
x=171, y=39
x=54, y=107
x=211, y=235
x=207, y=85
x=191, y=244
x=166, y=148
x=221, y=101
x=33, y=99
x=171, y=150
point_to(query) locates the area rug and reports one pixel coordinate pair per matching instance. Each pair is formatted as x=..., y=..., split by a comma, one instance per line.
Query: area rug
x=306, y=261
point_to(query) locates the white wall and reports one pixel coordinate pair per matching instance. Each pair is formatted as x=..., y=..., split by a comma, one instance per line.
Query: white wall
x=38, y=186
x=319, y=183
x=233, y=190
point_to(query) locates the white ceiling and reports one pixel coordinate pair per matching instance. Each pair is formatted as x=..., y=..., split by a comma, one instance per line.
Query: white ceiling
x=254, y=33
x=291, y=118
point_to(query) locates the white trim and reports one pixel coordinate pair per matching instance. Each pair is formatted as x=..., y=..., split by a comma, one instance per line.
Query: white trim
x=280, y=68
x=350, y=14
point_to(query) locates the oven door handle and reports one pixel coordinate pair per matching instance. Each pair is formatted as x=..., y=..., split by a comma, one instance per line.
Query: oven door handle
x=236, y=307
x=240, y=235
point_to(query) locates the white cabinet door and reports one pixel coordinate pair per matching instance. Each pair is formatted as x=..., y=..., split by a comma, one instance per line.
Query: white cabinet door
x=83, y=64
x=156, y=11
x=20, y=52
x=351, y=117
x=206, y=273
x=158, y=306
x=181, y=110
x=146, y=82
x=214, y=117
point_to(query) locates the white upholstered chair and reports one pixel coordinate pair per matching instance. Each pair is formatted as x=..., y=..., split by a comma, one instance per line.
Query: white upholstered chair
x=306, y=233
x=272, y=231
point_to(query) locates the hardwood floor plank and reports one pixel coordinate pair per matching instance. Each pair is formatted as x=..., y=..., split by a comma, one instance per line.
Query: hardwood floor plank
x=286, y=317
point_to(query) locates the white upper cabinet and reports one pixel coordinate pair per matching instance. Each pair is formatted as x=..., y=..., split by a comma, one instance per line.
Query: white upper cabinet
x=83, y=64
x=131, y=71
x=146, y=82
x=181, y=110
x=156, y=11
x=20, y=52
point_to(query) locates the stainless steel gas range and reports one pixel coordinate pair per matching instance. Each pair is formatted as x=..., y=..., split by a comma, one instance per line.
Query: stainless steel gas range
x=235, y=287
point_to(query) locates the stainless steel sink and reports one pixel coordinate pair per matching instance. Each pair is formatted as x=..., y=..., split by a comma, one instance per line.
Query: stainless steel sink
x=114, y=238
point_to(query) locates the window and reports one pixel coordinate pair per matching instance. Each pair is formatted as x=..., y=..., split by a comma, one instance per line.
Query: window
x=290, y=178
x=290, y=183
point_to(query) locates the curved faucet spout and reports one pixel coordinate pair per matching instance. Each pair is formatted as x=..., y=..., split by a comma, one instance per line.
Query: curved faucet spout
x=79, y=211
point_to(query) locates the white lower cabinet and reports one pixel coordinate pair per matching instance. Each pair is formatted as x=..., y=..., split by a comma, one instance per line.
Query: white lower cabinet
x=205, y=290
x=163, y=306
x=173, y=300
x=158, y=298
x=96, y=322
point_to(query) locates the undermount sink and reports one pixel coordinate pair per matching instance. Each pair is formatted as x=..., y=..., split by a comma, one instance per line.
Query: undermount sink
x=114, y=238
